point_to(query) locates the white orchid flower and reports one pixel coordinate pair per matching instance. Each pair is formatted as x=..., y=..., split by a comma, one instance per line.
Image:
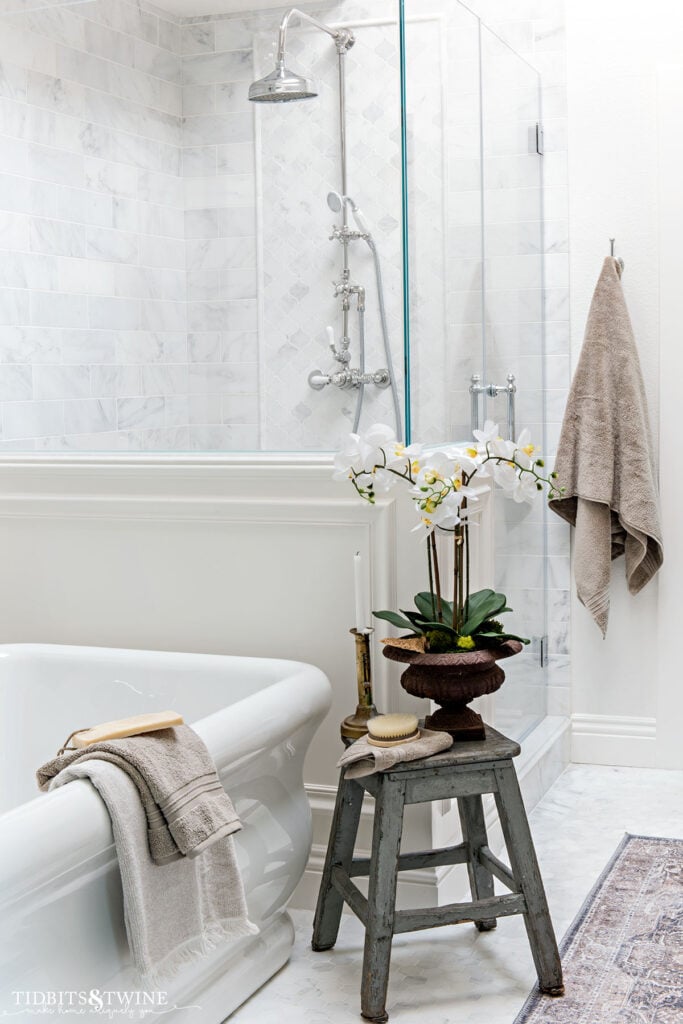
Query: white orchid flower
x=360, y=452
x=525, y=452
x=446, y=514
x=518, y=486
x=435, y=468
x=488, y=434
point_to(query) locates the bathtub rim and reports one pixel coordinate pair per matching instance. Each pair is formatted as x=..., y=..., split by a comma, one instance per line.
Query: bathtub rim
x=299, y=699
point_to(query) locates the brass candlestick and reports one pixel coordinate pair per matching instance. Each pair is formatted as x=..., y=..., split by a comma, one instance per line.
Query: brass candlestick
x=356, y=725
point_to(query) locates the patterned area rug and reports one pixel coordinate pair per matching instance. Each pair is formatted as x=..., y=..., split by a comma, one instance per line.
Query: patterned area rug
x=623, y=955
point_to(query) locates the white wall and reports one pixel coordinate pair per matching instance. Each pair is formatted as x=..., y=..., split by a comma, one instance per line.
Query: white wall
x=615, y=50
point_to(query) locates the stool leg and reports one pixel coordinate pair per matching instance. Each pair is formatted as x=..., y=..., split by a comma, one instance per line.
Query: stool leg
x=339, y=852
x=379, y=928
x=474, y=833
x=526, y=871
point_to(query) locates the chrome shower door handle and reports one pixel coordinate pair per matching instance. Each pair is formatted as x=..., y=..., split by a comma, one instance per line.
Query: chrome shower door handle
x=477, y=389
x=511, y=390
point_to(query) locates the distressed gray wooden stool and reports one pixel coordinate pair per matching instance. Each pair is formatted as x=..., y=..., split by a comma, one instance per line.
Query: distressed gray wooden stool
x=464, y=772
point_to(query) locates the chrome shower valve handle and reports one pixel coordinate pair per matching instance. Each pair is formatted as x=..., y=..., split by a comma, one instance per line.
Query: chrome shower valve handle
x=347, y=379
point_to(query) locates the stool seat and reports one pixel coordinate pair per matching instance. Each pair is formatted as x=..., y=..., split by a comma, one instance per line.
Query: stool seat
x=464, y=773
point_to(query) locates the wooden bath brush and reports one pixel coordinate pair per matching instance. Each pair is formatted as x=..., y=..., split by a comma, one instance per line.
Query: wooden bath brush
x=121, y=728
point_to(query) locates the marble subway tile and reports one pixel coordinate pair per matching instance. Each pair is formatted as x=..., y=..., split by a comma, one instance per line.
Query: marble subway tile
x=106, y=244
x=14, y=233
x=198, y=38
x=16, y=383
x=170, y=35
x=84, y=207
x=55, y=93
x=165, y=379
x=162, y=252
x=235, y=158
x=233, y=66
x=212, y=129
x=29, y=345
x=233, y=34
x=55, y=309
x=240, y=409
x=151, y=347
x=200, y=99
x=161, y=188
x=57, y=238
x=56, y=382
x=115, y=314
x=157, y=62
x=115, y=381
x=32, y=419
x=199, y=161
x=89, y=416
x=223, y=378
x=140, y=413
x=112, y=178
x=87, y=346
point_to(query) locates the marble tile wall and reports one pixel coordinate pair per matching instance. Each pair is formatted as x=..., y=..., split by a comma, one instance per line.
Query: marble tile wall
x=93, y=332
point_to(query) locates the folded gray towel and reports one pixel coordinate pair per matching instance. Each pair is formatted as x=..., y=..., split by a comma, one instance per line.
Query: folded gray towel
x=361, y=758
x=186, y=806
x=175, y=913
x=605, y=459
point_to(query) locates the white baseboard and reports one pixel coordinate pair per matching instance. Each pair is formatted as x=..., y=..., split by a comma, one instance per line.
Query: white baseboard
x=614, y=739
x=545, y=754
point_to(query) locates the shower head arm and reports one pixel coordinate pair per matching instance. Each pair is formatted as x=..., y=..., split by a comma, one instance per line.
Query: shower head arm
x=343, y=37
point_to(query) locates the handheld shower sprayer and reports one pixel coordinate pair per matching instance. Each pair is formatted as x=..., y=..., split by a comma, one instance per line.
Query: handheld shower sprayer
x=336, y=202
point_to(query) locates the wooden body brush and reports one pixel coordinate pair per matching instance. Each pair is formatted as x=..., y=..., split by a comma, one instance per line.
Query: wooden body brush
x=121, y=728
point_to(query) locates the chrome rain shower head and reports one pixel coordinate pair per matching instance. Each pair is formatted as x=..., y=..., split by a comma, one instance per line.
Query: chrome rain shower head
x=281, y=86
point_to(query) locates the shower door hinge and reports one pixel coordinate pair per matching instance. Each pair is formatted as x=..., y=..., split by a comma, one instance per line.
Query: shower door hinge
x=539, y=139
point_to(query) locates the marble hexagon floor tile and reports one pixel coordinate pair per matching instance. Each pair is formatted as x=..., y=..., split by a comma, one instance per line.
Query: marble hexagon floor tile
x=455, y=975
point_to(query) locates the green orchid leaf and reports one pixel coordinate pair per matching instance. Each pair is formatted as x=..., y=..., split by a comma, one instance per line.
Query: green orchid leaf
x=500, y=637
x=398, y=621
x=483, y=605
x=439, y=627
x=423, y=603
x=414, y=617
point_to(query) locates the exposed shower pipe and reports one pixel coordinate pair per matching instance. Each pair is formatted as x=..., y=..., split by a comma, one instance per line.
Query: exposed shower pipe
x=282, y=85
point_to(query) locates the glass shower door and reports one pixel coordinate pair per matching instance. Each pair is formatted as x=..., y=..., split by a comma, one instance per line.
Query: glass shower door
x=474, y=281
x=513, y=353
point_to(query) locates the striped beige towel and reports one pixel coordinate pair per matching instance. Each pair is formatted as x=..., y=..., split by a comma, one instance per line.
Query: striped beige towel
x=605, y=460
x=186, y=807
x=175, y=913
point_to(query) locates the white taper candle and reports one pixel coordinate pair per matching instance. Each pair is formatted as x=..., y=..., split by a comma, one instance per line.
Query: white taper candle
x=359, y=589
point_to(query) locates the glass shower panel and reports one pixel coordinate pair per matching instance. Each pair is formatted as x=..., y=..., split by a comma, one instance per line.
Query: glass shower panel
x=444, y=252
x=512, y=204
x=475, y=270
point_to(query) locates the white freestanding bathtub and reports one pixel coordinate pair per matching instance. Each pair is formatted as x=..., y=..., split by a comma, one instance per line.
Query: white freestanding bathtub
x=61, y=911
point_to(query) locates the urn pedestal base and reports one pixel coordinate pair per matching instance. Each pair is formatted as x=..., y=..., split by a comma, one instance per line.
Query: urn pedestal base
x=461, y=722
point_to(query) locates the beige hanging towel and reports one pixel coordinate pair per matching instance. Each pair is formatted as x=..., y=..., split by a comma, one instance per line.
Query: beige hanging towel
x=605, y=460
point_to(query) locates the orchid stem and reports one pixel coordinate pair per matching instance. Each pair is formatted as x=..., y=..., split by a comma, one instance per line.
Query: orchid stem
x=437, y=581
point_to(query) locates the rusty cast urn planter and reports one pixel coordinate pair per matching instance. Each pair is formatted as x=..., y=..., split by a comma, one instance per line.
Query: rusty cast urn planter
x=453, y=680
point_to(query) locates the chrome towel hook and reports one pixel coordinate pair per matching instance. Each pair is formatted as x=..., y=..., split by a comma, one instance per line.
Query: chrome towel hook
x=611, y=252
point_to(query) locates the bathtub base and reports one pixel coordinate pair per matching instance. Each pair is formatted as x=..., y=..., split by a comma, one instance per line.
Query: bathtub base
x=222, y=987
